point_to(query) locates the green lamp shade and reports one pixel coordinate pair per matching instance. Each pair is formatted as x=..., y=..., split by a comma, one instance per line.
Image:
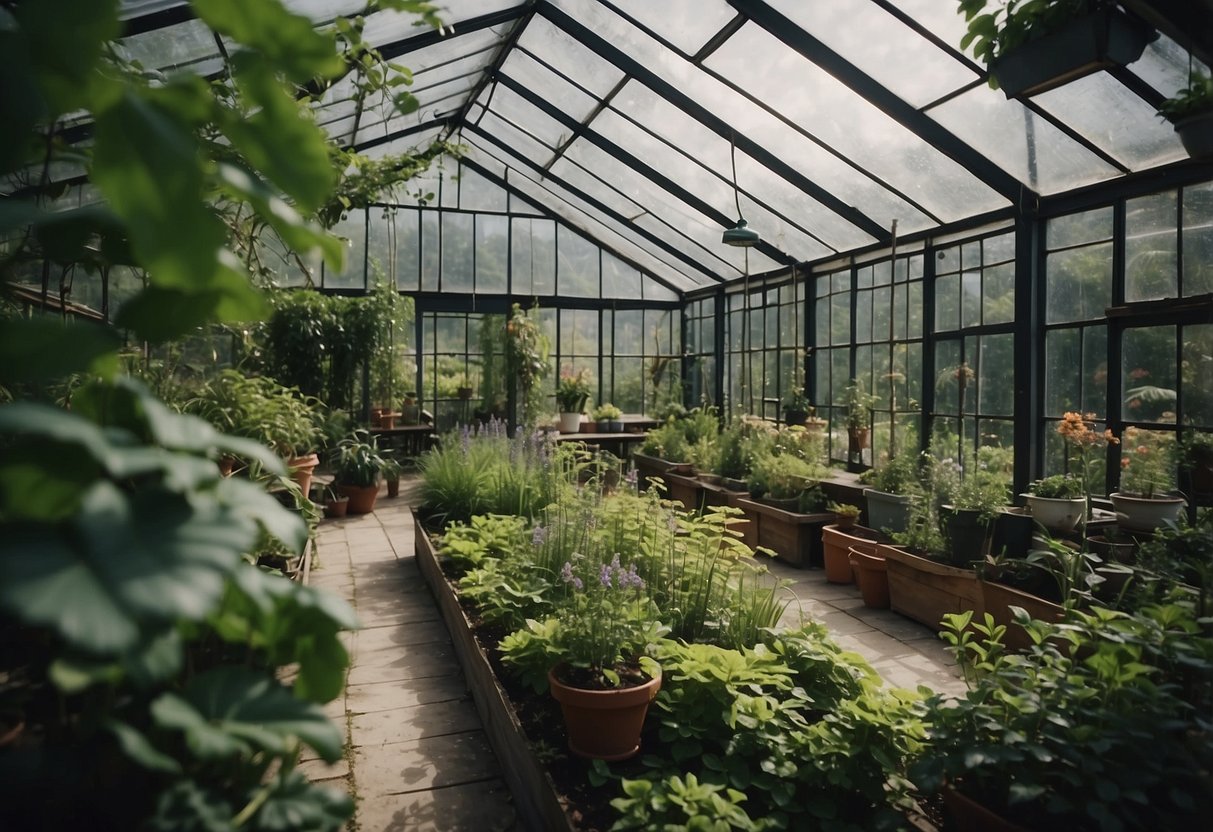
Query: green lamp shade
x=740, y=235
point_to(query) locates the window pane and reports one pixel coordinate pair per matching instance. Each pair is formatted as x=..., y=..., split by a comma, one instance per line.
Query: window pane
x=457, y=243
x=1151, y=267
x=1149, y=374
x=1198, y=239
x=1079, y=283
x=492, y=253
x=1198, y=375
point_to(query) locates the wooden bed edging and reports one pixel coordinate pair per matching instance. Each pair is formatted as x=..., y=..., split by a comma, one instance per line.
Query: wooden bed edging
x=534, y=793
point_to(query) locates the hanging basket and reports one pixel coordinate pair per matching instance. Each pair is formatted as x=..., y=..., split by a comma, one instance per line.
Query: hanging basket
x=1102, y=39
x=1196, y=134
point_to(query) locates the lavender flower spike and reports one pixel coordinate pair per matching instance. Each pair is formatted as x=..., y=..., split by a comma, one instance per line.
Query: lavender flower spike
x=539, y=535
x=566, y=573
x=604, y=576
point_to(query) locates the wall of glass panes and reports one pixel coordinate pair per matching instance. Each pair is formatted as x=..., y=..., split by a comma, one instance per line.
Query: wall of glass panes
x=869, y=327
x=765, y=356
x=974, y=367
x=700, y=359
x=1124, y=340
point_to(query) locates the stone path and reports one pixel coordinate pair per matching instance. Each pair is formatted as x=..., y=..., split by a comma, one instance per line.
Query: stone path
x=417, y=756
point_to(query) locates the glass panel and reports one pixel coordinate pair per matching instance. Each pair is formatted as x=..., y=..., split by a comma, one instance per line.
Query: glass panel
x=353, y=273
x=1063, y=364
x=457, y=252
x=556, y=90
x=688, y=24
x=408, y=248
x=997, y=379
x=516, y=109
x=429, y=251
x=1151, y=259
x=570, y=57
x=576, y=266
x=1075, y=229
x=947, y=303
x=1198, y=239
x=182, y=46
x=650, y=289
x=519, y=143
x=1148, y=377
x=1078, y=283
x=1020, y=142
x=882, y=46
x=998, y=294
x=478, y=194
x=619, y=280
x=492, y=253
x=1164, y=66
x=1116, y=120
x=1095, y=370
x=534, y=256
x=868, y=136
x=1197, y=370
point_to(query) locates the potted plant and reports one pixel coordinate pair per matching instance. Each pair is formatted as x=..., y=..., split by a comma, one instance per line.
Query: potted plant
x=796, y=407
x=858, y=403
x=705, y=454
x=410, y=410
x=609, y=418
x=1090, y=729
x=392, y=469
x=1191, y=112
x=845, y=514
x=892, y=488
x=1147, y=474
x=1057, y=502
x=357, y=469
x=1032, y=46
x=572, y=391
x=335, y=505
x=835, y=551
x=969, y=516
x=604, y=683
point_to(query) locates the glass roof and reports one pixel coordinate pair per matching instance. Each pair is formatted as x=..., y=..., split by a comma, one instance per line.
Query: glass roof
x=625, y=118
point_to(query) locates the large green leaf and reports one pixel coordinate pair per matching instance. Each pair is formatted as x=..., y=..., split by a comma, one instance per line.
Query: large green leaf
x=289, y=41
x=147, y=163
x=161, y=313
x=298, y=234
x=294, y=804
x=236, y=710
x=127, y=563
x=21, y=106
x=35, y=349
x=65, y=39
x=278, y=121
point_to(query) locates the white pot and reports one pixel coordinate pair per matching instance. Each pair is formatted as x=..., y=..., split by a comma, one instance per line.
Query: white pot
x=570, y=422
x=1145, y=514
x=1057, y=514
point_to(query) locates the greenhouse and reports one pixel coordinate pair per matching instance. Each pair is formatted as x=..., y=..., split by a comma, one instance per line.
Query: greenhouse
x=606, y=414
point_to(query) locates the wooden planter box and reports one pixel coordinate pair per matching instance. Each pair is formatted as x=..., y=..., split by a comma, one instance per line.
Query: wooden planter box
x=684, y=488
x=924, y=589
x=535, y=796
x=836, y=545
x=997, y=599
x=651, y=468
x=794, y=537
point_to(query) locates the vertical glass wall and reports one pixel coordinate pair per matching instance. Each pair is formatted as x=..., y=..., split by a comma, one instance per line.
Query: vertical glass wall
x=700, y=360
x=765, y=335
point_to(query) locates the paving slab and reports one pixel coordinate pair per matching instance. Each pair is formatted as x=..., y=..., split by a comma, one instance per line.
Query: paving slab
x=427, y=763
x=404, y=693
x=399, y=724
x=472, y=807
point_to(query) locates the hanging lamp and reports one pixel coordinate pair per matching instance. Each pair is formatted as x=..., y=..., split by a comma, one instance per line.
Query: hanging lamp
x=739, y=235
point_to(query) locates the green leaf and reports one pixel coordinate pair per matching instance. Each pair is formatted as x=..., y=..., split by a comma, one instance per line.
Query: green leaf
x=66, y=38
x=147, y=163
x=159, y=314
x=298, y=234
x=37, y=349
x=68, y=236
x=138, y=748
x=186, y=807
x=232, y=710
x=294, y=804
x=125, y=563
x=289, y=41
x=306, y=173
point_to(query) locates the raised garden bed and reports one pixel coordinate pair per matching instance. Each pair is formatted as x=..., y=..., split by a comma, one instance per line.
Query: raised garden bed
x=794, y=537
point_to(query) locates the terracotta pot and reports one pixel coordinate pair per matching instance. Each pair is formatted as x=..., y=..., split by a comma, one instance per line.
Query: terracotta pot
x=872, y=575
x=857, y=440
x=387, y=419
x=844, y=521
x=301, y=468
x=835, y=549
x=362, y=499
x=604, y=724
x=968, y=815
x=1145, y=514
x=227, y=464
x=336, y=507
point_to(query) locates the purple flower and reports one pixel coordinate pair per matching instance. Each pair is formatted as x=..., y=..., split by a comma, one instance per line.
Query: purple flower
x=566, y=573
x=631, y=579
x=539, y=535
x=604, y=576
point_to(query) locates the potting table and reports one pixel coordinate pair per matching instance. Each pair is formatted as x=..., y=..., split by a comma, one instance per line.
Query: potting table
x=407, y=442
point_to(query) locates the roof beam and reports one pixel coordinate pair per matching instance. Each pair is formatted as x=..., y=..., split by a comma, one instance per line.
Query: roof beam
x=880, y=96
x=507, y=46
x=394, y=49
x=710, y=120
x=645, y=170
